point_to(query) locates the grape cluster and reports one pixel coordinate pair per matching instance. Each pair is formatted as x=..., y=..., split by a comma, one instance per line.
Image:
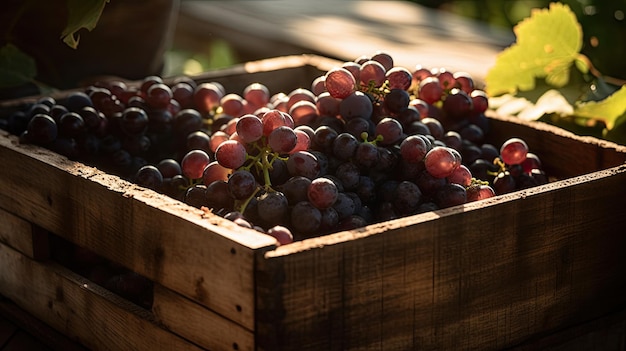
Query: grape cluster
x=367, y=142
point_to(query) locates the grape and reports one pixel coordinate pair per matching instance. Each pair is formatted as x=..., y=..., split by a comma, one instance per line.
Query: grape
x=430, y=91
x=323, y=138
x=158, y=96
x=92, y=118
x=440, y=161
x=531, y=162
x=136, y=145
x=372, y=72
x=303, y=163
x=413, y=148
x=344, y=146
x=397, y=100
x=207, y=97
x=356, y=105
x=71, y=125
x=406, y=198
x=56, y=111
x=457, y=104
x=273, y=208
x=300, y=94
x=480, y=101
x=282, y=140
x=42, y=129
x=232, y=105
x=327, y=105
x=461, y=175
x=169, y=168
x=217, y=196
x=183, y=93
x=274, y=119
x=407, y=117
x=322, y=193
x=242, y=184
x=390, y=130
x=354, y=68
x=282, y=234
x=303, y=112
x=445, y=77
x=358, y=126
x=366, y=190
x=434, y=126
x=149, y=177
x=464, y=81
x=77, y=100
x=303, y=141
x=513, y=151
x=249, y=128
x=305, y=218
x=318, y=86
x=349, y=175
x=399, y=78
x=340, y=83
x=193, y=164
x=231, y=154
x=472, y=133
x=199, y=140
x=366, y=155
x=450, y=194
x=452, y=139
x=344, y=205
x=134, y=121
x=384, y=59
x=257, y=94
x=330, y=219
x=479, y=192
x=504, y=183
x=295, y=189
x=217, y=138
x=214, y=171
x=187, y=121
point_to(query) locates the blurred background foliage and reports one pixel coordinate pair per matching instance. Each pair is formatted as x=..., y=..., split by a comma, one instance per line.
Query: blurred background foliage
x=603, y=23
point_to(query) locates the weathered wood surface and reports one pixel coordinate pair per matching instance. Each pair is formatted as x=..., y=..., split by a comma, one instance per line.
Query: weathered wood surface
x=197, y=254
x=344, y=30
x=195, y=322
x=73, y=305
x=480, y=276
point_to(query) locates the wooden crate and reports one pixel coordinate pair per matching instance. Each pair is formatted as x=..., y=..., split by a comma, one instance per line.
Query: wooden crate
x=514, y=271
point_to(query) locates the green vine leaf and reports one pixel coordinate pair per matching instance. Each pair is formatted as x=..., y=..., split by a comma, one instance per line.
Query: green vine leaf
x=548, y=43
x=82, y=14
x=16, y=67
x=607, y=110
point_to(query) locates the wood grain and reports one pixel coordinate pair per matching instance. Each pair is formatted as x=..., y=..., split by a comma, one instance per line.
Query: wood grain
x=485, y=275
x=200, y=255
x=195, y=322
x=69, y=303
x=23, y=236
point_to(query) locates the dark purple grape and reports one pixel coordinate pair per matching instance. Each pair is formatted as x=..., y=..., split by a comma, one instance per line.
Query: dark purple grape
x=344, y=146
x=296, y=189
x=396, y=101
x=356, y=105
x=42, y=129
x=322, y=193
x=273, y=208
x=406, y=198
x=242, y=184
x=390, y=130
x=303, y=163
x=450, y=194
x=134, y=121
x=305, y=219
x=149, y=177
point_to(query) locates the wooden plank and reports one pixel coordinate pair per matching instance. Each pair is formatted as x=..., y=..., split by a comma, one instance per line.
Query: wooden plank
x=195, y=322
x=485, y=275
x=345, y=30
x=607, y=333
x=16, y=232
x=73, y=305
x=38, y=329
x=23, y=236
x=563, y=154
x=200, y=255
x=22, y=341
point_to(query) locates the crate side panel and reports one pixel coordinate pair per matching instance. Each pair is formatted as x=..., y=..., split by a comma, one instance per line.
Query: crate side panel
x=562, y=153
x=483, y=276
x=195, y=322
x=16, y=232
x=197, y=254
x=88, y=314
